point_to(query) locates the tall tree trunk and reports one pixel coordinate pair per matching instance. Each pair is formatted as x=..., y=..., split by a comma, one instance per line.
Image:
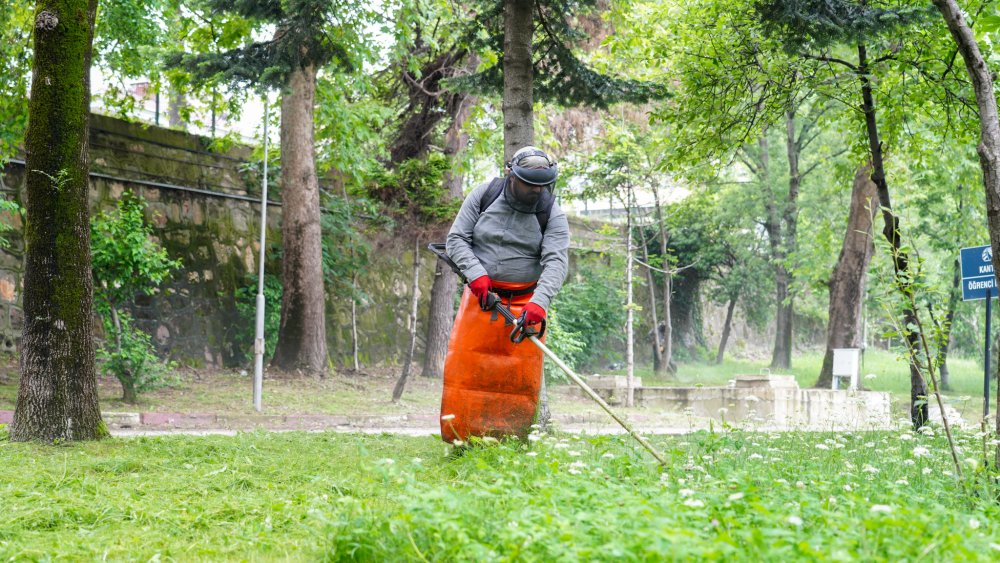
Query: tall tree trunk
x=442, y=307
x=789, y=242
x=302, y=334
x=57, y=395
x=518, y=80
x=847, y=284
x=667, y=336
x=518, y=110
x=629, y=310
x=727, y=327
x=659, y=367
x=954, y=298
x=989, y=127
x=781, y=352
x=900, y=259
x=177, y=102
x=397, y=391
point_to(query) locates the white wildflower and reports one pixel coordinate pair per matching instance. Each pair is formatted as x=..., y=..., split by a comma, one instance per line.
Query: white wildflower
x=755, y=456
x=822, y=447
x=870, y=376
x=531, y=454
x=609, y=455
x=974, y=524
x=573, y=471
x=903, y=482
x=574, y=453
x=909, y=462
x=694, y=503
x=921, y=451
x=794, y=520
x=416, y=461
x=848, y=488
x=457, y=443
x=561, y=446
x=736, y=496
x=685, y=492
x=534, y=437
x=870, y=469
x=387, y=461
x=800, y=485
x=927, y=471
x=884, y=508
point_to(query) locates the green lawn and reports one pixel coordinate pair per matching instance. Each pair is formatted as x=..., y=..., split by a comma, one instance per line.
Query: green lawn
x=295, y=496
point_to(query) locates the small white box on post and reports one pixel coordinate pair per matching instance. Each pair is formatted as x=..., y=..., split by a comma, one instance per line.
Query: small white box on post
x=846, y=364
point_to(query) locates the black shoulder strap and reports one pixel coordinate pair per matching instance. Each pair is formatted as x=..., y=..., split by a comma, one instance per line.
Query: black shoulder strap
x=543, y=208
x=491, y=194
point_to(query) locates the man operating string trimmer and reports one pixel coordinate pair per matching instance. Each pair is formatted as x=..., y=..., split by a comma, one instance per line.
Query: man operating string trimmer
x=510, y=239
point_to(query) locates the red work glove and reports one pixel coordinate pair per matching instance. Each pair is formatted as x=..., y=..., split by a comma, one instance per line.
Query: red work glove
x=480, y=287
x=533, y=314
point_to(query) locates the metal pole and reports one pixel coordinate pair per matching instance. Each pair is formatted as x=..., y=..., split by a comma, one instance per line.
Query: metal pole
x=258, y=343
x=986, y=361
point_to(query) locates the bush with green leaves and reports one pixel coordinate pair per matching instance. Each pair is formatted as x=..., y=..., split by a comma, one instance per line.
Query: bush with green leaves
x=127, y=261
x=591, y=314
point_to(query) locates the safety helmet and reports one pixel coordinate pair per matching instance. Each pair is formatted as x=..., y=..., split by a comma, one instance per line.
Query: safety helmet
x=533, y=166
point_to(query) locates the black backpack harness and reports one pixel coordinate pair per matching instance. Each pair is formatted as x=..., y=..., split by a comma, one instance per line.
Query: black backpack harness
x=543, y=208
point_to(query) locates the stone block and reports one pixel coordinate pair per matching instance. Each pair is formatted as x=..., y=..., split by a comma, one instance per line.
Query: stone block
x=611, y=381
x=8, y=288
x=16, y=318
x=121, y=419
x=766, y=380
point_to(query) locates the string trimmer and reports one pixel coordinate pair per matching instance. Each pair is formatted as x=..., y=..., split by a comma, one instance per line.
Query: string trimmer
x=522, y=332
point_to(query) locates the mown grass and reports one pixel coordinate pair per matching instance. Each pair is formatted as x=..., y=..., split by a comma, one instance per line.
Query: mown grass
x=725, y=496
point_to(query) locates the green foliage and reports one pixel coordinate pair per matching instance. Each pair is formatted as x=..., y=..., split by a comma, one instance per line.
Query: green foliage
x=569, y=346
x=417, y=188
x=127, y=261
x=126, y=258
x=590, y=314
x=15, y=66
x=560, y=73
x=246, y=306
x=305, y=33
x=734, y=496
x=133, y=360
x=7, y=207
x=817, y=24
x=340, y=232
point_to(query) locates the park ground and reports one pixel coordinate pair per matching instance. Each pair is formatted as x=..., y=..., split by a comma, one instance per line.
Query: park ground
x=364, y=398
x=725, y=494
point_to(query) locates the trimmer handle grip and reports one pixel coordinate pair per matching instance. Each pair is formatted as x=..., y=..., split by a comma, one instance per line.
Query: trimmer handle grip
x=522, y=331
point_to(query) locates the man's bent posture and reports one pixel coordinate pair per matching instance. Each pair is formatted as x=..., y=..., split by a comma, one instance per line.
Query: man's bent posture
x=510, y=238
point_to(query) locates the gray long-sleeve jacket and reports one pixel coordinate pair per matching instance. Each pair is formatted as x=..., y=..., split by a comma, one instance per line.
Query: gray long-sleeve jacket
x=505, y=242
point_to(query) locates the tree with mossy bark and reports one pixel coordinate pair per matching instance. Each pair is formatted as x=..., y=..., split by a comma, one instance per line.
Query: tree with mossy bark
x=308, y=36
x=57, y=395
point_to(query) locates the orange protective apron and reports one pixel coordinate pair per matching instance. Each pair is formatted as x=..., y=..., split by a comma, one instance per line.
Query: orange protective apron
x=490, y=384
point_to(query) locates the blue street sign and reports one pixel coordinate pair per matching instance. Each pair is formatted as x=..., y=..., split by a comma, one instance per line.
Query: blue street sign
x=977, y=273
